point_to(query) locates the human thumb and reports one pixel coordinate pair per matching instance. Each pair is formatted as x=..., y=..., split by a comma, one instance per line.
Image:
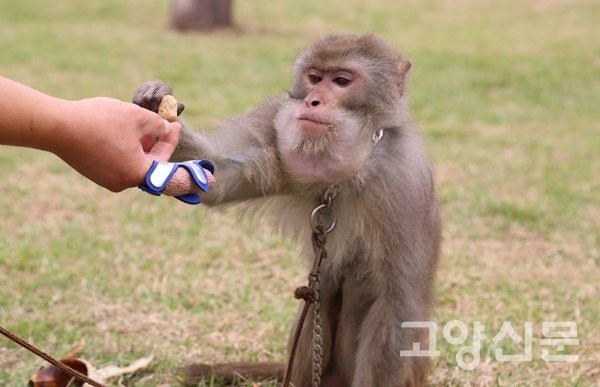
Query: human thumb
x=166, y=144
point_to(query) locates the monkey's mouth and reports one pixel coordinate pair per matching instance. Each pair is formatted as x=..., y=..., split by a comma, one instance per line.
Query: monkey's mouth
x=312, y=126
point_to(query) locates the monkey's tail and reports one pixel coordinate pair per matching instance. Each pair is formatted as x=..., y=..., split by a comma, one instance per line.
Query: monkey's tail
x=193, y=374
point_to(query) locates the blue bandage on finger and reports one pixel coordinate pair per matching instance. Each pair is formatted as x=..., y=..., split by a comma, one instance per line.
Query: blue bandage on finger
x=196, y=169
x=158, y=177
x=161, y=173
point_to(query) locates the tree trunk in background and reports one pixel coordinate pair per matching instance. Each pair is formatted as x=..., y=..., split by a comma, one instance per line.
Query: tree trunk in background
x=201, y=15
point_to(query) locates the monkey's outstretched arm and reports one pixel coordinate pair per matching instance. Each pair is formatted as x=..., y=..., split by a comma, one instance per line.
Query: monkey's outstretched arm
x=244, y=153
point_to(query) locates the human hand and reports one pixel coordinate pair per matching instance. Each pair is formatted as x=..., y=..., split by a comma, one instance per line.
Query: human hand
x=112, y=142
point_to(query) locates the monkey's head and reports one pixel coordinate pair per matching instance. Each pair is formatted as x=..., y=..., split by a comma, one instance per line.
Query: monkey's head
x=346, y=88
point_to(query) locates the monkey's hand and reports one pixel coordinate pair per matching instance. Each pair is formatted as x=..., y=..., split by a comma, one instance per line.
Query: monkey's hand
x=150, y=94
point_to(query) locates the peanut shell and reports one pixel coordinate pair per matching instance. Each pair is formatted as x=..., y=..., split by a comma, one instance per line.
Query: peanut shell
x=168, y=108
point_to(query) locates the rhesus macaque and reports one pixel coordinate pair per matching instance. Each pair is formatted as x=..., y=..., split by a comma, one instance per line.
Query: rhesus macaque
x=383, y=251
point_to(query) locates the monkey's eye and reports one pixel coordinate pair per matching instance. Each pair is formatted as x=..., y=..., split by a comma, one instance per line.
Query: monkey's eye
x=341, y=81
x=314, y=78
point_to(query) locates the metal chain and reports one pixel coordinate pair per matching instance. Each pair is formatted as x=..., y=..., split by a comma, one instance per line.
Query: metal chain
x=311, y=293
x=317, y=339
x=317, y=327
x=320, y=232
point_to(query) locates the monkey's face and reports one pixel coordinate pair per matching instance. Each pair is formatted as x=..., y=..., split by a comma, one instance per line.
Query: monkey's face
x=321, y=134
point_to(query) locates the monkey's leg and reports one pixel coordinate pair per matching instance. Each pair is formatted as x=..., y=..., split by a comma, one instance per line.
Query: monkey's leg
x=381, y=338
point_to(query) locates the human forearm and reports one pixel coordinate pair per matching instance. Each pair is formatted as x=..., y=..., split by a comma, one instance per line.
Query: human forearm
x=110, y=142
x=30, y=118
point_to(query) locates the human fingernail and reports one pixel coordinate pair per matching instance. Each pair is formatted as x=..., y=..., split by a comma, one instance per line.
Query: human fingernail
x=168, y=127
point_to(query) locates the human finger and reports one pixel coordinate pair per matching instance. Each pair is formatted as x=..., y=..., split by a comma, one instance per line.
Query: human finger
x=165, y=146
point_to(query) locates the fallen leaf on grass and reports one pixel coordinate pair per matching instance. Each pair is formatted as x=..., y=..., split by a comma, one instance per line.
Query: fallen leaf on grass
x=51, y=376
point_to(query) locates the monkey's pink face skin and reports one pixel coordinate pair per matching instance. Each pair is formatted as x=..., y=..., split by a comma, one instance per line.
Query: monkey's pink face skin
x=319, y=140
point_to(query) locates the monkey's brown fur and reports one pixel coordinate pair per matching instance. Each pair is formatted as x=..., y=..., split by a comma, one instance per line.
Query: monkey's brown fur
x=383, y=251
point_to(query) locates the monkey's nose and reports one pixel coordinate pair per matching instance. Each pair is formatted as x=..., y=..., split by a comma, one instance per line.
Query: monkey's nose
x=312, y=100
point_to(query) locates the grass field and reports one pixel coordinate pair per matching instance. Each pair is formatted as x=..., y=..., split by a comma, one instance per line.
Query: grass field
x=506, y=94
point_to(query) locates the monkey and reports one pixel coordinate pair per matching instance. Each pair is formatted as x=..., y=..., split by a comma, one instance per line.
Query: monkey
x=344, y=123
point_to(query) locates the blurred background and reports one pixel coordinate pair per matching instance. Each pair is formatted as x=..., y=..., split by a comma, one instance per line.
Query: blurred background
x=505, y=93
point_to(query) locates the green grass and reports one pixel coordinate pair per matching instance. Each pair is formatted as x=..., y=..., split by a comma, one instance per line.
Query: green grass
x=506, y=93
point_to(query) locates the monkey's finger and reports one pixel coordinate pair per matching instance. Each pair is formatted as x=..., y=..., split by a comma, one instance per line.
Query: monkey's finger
x=180, y=108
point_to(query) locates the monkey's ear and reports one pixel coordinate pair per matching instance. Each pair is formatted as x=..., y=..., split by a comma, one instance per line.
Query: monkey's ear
x=403, y=67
